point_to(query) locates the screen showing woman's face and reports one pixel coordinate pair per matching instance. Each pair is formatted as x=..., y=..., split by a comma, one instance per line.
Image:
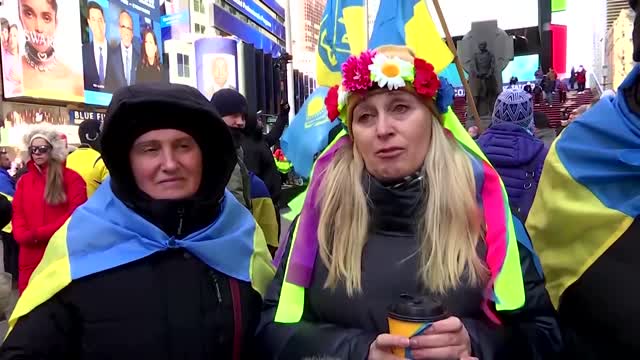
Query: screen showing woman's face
x=39, y=22
x=150, y=48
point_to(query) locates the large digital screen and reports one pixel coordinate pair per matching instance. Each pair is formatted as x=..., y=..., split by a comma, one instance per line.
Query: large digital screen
x=121, y=46
x=41, y=56
x=216, y=65
x=522, y=67
x=79, y=51
x=510, y=14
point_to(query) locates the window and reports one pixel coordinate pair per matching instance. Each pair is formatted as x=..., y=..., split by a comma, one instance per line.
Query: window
x=198, y=6
x=200, y=29
x=183, y=65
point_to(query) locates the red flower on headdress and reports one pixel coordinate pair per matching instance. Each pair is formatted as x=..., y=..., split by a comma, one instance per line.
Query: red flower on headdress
x=331, y=103
x=426, y=80
x=356, y=76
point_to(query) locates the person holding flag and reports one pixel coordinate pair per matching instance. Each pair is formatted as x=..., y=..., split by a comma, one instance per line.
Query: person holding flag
x=585, y=223
x=405, y=203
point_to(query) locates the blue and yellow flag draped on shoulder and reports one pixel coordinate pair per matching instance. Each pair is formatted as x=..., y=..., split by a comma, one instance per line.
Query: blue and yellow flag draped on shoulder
x=263, y=210
x=104, y=233
x=589, y=193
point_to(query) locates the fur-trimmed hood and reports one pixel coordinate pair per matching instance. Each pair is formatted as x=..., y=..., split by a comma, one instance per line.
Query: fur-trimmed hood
x=51, y=135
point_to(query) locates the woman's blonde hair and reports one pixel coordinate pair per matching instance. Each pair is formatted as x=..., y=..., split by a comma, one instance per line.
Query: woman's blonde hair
x=54, y=192
x=449, y=225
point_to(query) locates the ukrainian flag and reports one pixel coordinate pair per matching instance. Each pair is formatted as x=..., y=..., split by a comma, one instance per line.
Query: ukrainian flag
x=308, y=133
x=408, y=22
x=104, y=233
x=589, y=193
x=342, y=33
x=263, y=210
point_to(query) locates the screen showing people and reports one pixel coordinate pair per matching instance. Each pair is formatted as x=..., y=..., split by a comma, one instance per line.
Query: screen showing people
x=38, y=54
x=121, y=48
x=42, y=56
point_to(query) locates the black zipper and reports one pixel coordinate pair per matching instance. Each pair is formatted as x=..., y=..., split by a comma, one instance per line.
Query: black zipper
x=180, y=220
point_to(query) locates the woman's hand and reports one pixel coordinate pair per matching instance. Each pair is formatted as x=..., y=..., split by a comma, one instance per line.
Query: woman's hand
x=446, y=339
x=382, y=347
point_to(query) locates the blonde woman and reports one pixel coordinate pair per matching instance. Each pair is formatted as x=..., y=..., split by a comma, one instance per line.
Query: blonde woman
x=45, y=197
x=405, y=204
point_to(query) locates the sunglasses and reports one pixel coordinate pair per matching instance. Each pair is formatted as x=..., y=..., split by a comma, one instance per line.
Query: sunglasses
x=37, y=150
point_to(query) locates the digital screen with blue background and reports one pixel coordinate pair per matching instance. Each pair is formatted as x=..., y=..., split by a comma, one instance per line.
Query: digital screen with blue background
x=523, y=67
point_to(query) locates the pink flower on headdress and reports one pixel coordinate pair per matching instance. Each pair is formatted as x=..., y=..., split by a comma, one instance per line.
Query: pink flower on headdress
x=331, y=102
x=356, y=76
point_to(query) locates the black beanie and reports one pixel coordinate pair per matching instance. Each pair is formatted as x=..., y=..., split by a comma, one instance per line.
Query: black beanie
x=229, y=102
x=89, y=131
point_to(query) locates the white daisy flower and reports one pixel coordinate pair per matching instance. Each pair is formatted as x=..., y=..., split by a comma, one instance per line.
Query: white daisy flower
x=390, y=72
x=342, y=97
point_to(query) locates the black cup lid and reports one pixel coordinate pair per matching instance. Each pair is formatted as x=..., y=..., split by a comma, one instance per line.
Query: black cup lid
x=417, y=309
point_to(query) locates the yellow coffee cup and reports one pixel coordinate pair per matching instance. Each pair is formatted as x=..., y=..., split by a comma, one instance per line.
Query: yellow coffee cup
x=410, y=316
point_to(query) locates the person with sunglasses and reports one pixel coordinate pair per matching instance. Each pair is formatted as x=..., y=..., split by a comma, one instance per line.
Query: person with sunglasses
x=45, y=197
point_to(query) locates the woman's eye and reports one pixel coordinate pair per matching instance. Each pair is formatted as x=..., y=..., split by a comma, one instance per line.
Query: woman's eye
x=400, y=108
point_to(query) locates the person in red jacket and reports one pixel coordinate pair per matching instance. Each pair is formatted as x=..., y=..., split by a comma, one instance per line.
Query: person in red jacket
x=45, y=198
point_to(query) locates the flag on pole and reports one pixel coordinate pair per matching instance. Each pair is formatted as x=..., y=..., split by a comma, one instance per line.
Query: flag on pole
x=308, y=133
x=409, y=22
x=342, y=33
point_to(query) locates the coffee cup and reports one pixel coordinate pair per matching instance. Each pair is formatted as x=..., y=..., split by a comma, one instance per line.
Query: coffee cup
x=411, y=315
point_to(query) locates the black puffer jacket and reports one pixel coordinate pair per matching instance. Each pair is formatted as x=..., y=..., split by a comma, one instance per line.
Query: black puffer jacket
x=169, y=305
x=340, y=327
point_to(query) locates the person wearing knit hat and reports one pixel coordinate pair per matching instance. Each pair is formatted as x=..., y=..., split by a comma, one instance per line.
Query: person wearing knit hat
x=244, y=184
x=513, y=150
x=86, y=159
x=397, y=211
x=159, y=259
x=45, y=197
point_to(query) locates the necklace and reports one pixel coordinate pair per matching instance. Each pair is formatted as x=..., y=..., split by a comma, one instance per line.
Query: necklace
x=41, y=61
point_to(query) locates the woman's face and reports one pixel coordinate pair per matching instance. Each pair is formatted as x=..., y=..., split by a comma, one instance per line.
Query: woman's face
x=13, y=40
x=39, y=22
x=150, y=48
x=166, y=164
x=392, y=133
x=40, y=151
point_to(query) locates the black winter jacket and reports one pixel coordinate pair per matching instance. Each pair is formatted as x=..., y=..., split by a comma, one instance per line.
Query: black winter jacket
x=168, y=306
x=600, y=312
x=340, y=327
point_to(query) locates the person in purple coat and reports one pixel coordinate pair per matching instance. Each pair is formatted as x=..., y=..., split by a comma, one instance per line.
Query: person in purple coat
x=514, y=151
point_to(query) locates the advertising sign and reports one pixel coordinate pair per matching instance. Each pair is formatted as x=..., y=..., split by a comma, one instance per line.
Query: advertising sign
x=232, y=25
x=77, y=117
x=18, y=118
x=216, y=65
x=175, y=20
x=273, y=5
x=260, y=16
x=40, y=53
x=121, y=46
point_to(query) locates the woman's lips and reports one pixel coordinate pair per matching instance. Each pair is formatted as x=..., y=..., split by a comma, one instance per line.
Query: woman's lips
x=390, y=152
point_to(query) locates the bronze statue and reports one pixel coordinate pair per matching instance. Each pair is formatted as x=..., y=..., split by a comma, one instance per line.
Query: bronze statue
x=486, y=88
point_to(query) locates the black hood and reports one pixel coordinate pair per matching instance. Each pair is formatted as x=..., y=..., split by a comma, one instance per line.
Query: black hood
x=138, y=109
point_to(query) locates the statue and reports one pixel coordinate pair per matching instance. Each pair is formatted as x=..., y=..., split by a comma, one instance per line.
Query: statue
x=484, y=73
x=485, y=51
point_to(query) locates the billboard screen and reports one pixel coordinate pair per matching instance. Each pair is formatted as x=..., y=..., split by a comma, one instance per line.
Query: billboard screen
x=121, y=46
x=216, y=64
x=41, y=56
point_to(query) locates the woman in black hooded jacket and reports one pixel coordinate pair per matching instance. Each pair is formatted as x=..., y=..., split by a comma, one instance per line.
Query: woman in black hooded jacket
x=163, y=263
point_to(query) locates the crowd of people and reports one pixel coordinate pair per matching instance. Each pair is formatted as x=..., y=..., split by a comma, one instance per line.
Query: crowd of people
x=159, y=236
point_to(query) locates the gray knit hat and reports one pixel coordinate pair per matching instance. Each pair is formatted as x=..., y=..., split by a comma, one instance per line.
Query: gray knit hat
x=514, y=106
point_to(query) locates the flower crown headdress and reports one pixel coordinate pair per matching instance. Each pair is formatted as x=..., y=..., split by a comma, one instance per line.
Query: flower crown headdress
x=375, y=69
